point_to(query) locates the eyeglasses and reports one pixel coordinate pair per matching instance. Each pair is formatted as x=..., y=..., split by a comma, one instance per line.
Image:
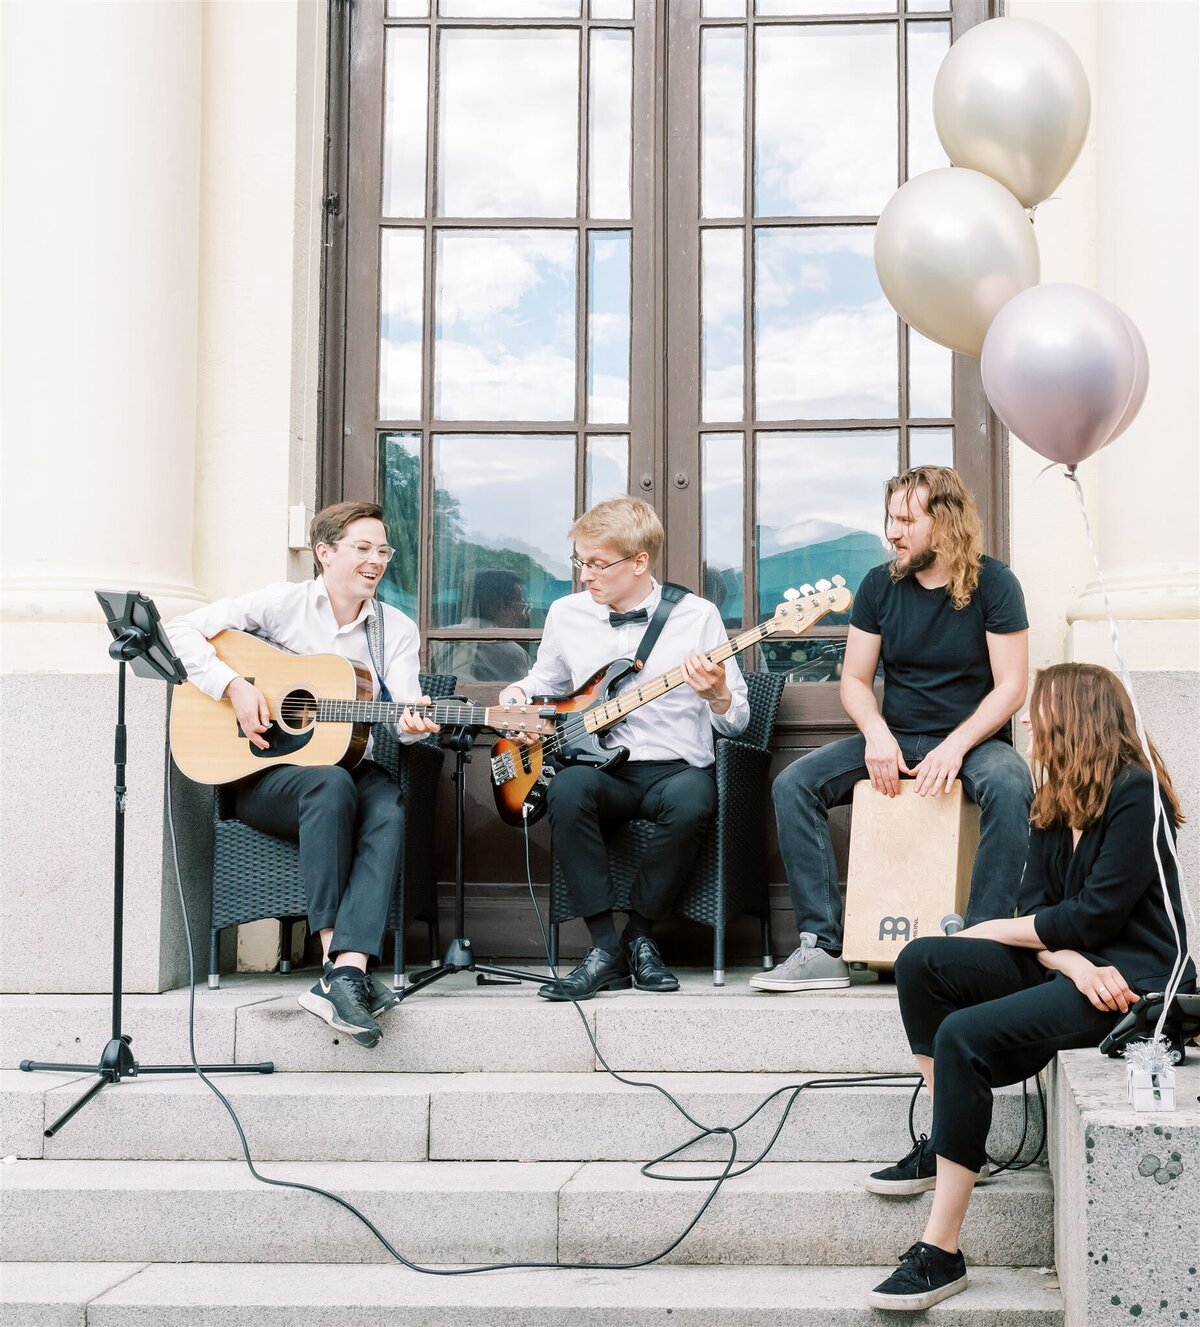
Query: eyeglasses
x=385, y=552
x=596, y=567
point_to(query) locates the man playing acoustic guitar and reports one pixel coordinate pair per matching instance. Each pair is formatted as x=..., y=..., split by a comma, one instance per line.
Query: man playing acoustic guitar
x=668, y=777
x=349, y=823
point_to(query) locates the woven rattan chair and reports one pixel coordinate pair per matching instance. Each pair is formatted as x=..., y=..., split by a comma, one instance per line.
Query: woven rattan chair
x=257, y=875
x=731, y=875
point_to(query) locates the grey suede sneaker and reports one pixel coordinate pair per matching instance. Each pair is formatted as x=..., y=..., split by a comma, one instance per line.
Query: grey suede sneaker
x=805, y=969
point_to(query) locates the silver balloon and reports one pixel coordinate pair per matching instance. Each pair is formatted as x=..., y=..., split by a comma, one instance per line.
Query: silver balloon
x=952, y=247
x=1141, y=378
x=1011, y=99
x=1058, y=368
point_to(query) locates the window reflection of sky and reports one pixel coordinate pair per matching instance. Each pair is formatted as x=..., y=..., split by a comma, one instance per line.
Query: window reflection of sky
x=508, y=123
x=820, y=507
x=722, y=296
x=607, y=467
x=722, y=121
x=610, y=115
x=502, y=500
x=505, y=325
x=931, y=447
x=930, y=369
x=825, y=335
x=405, y=107
x=402, y=273
x=608, y=327
x=775, y=8
x=723, y=513
x=509, y=8
x=825, y=116
x=927, y=47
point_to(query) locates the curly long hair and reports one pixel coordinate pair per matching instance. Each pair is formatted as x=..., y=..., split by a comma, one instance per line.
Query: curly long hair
x=1084, y=735
x=957, y=530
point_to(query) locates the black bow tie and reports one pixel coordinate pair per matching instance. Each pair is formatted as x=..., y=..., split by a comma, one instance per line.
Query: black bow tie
x=619, y=619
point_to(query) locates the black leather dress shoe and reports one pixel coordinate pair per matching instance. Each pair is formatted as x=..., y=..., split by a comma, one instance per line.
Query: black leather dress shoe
x=649, y=971
x=601, y=970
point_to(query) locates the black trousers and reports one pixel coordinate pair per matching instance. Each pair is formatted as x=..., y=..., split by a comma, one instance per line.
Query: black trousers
x=583, y=800
x=350, y=828
x=989, y=1015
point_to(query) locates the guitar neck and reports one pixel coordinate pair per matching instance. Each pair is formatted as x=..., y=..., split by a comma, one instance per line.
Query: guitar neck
x=453, y=713
x=613, y=711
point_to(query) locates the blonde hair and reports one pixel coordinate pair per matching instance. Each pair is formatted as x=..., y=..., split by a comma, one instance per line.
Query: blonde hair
x=629, y=525
x=957, y=530
x=1084, y=735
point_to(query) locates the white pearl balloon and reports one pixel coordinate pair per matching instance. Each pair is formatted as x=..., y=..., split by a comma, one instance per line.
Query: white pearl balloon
x=1011, y=99
x=952, y=247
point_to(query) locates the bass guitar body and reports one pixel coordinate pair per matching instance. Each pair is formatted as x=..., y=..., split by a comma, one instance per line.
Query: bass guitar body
x=521, y=794
x=207, y=741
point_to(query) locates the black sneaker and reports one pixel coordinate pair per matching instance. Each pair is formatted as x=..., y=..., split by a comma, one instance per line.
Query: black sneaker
x=382, y=996
x=925, y=1277
x=913, y=1174
x=343, y=1001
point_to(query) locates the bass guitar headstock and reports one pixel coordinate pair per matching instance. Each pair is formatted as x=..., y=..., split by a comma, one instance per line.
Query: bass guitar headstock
x=803, y=607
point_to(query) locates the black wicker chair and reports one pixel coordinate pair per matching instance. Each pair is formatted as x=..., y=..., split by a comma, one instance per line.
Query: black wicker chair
x=257, y=875
x=731, y=874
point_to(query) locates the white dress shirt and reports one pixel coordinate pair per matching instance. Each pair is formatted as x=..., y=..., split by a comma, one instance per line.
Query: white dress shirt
x=577, y=641
x=298, y=616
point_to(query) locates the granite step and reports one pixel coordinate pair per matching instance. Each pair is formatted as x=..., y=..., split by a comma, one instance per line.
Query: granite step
x=455, y=1027
x=466, y=1117
x=801, y=1213
x=287, y=1295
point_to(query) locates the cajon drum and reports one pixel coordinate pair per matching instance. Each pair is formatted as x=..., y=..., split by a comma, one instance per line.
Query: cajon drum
x=910, y=868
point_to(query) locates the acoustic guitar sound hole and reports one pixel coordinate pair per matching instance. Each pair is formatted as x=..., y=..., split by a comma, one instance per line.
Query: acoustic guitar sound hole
x=298, y=711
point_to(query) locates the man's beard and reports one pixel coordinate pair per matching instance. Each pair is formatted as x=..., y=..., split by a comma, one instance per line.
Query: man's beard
x=917, y=562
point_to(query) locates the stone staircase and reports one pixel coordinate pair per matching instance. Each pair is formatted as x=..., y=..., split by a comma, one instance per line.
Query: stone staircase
x=480, y=1130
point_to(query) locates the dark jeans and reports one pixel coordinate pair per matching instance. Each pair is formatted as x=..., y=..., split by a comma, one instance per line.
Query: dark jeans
x=988, y=1014
x=993, y=776
x=582, y=800
x=350, y=827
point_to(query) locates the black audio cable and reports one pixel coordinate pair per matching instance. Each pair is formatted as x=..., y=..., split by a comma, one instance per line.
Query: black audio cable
x=729, y=1169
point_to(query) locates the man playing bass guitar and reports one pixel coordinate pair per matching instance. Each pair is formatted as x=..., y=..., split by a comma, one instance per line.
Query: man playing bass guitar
x=668, y=777
x=349, y=823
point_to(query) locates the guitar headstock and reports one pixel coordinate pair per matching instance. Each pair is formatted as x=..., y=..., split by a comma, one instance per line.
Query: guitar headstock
x=802, y=607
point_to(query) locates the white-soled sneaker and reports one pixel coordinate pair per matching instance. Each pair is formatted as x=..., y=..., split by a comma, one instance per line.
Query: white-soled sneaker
x=805, y=969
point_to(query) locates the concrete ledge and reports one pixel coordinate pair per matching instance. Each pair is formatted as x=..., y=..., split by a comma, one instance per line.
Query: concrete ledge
x=813, y=1214
x=577, y=1117
x=215, y=1211
x=1127, y=1228
x=310, y=1296
x=56, y=1294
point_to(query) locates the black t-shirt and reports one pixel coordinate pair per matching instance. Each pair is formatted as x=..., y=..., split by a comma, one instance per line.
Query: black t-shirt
x=936, y=668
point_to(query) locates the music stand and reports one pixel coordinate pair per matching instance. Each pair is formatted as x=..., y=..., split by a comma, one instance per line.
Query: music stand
x=459, y=956
x=138, y=640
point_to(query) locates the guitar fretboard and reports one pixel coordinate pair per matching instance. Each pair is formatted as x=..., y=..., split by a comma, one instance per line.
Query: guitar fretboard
x=612, y=711
x=452, y=712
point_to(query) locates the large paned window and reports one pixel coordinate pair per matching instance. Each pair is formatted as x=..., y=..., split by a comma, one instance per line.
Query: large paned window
x=590, y=247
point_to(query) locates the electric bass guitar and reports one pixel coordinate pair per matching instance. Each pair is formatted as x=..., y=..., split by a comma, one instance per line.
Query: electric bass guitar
x=521, y=773
x=321, y=713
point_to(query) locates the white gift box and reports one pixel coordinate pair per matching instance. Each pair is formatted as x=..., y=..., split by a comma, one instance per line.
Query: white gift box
x=1151, y=1090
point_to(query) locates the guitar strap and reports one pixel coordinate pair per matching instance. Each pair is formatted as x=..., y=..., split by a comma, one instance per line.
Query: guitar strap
x=671, y=595
x=375, y=647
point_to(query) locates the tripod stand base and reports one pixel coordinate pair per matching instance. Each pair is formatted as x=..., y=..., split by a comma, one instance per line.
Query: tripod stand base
x=459, y=957
x=117, y=1063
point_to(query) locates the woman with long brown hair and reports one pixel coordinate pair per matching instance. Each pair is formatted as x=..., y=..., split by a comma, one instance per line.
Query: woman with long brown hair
x=993, y=1004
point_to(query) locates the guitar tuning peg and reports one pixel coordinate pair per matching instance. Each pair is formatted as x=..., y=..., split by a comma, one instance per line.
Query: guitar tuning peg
x=824, y=585
x=807, y=589
x=791, y=595
x=839, y=581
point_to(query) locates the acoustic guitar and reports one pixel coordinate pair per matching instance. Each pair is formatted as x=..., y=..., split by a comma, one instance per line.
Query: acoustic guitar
x=321, y=713
x=521, y=773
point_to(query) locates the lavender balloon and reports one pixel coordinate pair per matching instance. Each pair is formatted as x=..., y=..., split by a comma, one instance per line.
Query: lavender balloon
x=1058, y=367
x=1141, y=378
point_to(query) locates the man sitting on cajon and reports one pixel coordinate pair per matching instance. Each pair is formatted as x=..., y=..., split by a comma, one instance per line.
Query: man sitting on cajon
x=950, y=626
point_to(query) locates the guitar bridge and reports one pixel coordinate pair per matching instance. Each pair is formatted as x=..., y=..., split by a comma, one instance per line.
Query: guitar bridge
x=503, y=769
